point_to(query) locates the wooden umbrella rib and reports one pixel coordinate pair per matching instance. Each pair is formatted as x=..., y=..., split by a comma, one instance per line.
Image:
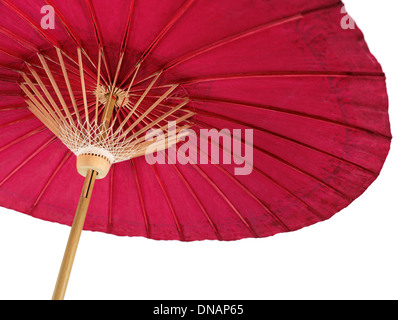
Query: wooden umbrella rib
x=124, y=113
x=230, y=39
x=247, y=33
x=128, y=94
x=312, y=210
x=11, y=123
x=160, y=113
x=4, y=78
x=169, y=141
x=50, y=180
x=34, y=104
x=57, y=76
x=247, y=191
x=143, y=208
x=90, y=74
x=139, y=102
x=299, y=170
x=9, y=93
x=83, y=86
x=254, y=197
x=47, y=36
x=225, y=198
x=208, y=114
x=154, y=122
x=167, y=197
x=141, y=145
x=47, y=122
x=153, y=106
x=285, y=74
x=199, y=203
x=8, y=68
x=181, y=11
x=161, y=127
x=23, y=137
x=13, y=108
x=11, y=54
x=142, y=80
x=98, y=86
x=118, y=68
x=73, y=35
x=140, y=194
x=46, y=92
x=160, y=118
x=39, y=96
x=17, y=38
x=165, y=107
x=142, y=148
x=127, y=27
x=290, y=112
x=155, y=97
x=72, y=97
x=74, y=69
x=136, y=69
x=98, y=36
x=34, y=154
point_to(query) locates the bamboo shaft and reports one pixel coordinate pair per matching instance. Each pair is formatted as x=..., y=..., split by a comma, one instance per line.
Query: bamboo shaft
x=74, y=236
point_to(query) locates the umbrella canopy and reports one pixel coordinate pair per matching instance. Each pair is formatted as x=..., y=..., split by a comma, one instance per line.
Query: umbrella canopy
x=309, y=89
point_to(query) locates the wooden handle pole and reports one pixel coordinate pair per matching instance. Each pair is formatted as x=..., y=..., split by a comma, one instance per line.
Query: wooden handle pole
x=73, y=241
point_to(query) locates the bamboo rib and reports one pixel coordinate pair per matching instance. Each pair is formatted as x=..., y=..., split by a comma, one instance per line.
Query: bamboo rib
x=45, y=91
x=135, y=141
x=48, y=183
x=242, y=187
x=119, y=65
x=141, y=144
x=171, y=207
x=160, y=145
x=56, y=62
x=167, y=93
x=53, y=127
x=153, y=123
x=195, y=196
x=98, y=85
x=34, y=104
x=55, y=87
x=177, y=119
x=128, y=93
x=38, y=95
x=72, y=97
x=79, y=52
x=137, y=68
x=92, y=63
x=139, y=101
x=164, y=96
x=155, y=114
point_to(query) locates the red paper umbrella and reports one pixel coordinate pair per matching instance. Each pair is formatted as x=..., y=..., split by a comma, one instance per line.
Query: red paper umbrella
x=204, y=119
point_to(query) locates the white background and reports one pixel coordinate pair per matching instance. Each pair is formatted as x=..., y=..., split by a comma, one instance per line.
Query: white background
x=352, y=256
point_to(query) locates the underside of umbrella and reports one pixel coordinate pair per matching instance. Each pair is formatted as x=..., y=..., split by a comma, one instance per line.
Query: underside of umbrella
x=81, y=92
